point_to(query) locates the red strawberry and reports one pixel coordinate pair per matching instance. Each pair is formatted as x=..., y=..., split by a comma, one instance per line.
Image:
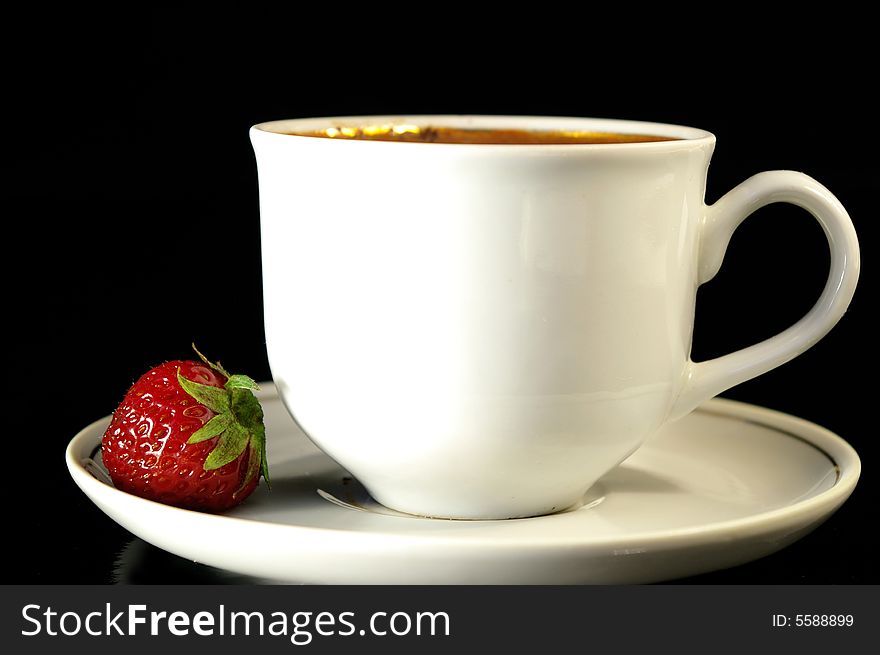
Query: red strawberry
x=188, y=434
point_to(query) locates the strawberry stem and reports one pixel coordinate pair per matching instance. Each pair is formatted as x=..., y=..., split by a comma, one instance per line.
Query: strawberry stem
x=216, y=366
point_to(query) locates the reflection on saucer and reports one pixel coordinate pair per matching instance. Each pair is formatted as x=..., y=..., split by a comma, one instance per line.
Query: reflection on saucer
x=728, y=484
x=347, y=492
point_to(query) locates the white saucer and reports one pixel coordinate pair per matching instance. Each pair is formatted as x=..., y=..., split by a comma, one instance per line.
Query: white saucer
x=728, y=484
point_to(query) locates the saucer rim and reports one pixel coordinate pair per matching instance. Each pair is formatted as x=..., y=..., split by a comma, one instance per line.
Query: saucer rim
x=841, y=454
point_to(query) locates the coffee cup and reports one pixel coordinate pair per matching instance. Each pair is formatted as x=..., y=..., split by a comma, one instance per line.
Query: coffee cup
x=480, y=316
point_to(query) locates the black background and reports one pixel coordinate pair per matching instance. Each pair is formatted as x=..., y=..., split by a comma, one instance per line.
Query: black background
x=132, y=224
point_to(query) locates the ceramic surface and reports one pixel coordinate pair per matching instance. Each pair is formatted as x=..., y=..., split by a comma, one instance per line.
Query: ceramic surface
x=483, y=331
x=727, y=484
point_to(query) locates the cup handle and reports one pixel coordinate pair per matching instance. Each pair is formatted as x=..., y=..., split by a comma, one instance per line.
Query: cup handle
x=706, y=379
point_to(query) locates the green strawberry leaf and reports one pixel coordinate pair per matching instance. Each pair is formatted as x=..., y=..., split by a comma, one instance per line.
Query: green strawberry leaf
x=246, y=407
x=231, y=444
x=238, y=422
x=215, y=365
x=249, y=413
x=241, y=382
x=258, y=440
x=211, y=429
x=252, y=469
x=217, y=400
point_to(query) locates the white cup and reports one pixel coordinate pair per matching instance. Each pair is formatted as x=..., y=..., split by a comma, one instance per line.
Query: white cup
x=483, y=331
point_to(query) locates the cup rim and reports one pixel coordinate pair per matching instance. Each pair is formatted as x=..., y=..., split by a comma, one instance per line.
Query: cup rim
x=686, y=137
